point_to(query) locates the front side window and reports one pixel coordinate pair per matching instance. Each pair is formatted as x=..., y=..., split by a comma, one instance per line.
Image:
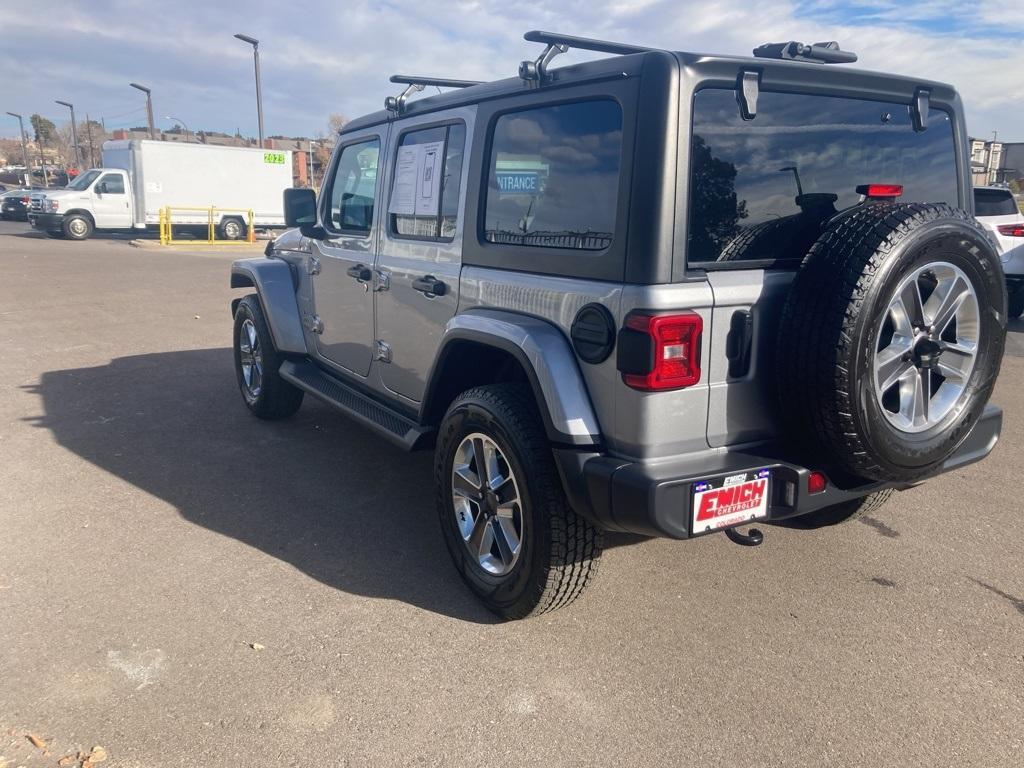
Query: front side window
x=554, y=176
x=354, y=187
x=427, y=181
x=113, y=184
x=761, y=190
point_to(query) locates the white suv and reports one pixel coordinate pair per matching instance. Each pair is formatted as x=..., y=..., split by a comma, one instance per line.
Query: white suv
x=997, y=210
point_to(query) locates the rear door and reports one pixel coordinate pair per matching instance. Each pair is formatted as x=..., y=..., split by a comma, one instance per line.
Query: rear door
x=420, y=253
x=342, y=263
x=761, y=192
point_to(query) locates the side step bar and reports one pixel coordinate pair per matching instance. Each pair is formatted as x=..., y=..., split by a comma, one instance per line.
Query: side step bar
x=390, y=424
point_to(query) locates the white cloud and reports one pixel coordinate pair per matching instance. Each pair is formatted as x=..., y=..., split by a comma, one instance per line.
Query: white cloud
x=325, y=56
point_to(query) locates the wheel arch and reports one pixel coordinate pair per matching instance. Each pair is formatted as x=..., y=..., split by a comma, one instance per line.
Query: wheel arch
x=81, y=212
x=491, y=346
x=275, y=286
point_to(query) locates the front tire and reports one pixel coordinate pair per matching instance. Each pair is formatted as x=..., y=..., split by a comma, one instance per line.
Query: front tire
x=1016, y=302
x=503, y=513
x=265, y=393
x=232, y=229
x=77, y=227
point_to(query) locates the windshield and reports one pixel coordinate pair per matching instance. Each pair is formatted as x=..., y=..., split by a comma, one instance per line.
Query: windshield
x=83, y=181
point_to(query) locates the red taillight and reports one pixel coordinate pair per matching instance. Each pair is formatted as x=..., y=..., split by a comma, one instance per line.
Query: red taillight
x=880, y=190
x=1011, y=230
x=671, y=354
x=816, y=482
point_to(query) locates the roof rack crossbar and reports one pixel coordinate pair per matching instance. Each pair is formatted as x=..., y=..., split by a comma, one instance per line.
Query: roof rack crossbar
x=440, y=82
x=584, y=43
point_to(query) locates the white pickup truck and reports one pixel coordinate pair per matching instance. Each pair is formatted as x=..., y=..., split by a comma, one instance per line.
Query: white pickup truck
x=138, y=178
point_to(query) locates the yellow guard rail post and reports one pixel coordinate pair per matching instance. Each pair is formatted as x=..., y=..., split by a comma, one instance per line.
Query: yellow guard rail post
x=212, y=218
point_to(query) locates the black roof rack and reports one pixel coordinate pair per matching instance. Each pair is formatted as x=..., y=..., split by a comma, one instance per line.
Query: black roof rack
x=440, y=82
x=534, y=71
x=416, y=83
x=818, y=53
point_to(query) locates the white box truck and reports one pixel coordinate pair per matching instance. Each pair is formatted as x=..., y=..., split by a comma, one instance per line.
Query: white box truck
x=138, y=178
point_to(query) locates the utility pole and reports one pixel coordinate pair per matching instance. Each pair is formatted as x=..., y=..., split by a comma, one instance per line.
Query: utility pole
x=74, y=131
x=88, y=132
x=24, y=149
x=259, y=91
x=149, y=107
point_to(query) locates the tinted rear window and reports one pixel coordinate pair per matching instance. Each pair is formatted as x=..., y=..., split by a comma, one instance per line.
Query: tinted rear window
x=994, y=202
x=761, y=189
x=554, y=176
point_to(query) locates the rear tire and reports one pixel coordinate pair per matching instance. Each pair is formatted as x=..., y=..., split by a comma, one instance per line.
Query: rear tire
x=265, y=393
x=847, y=510
x=232, y=229
x=524, y=552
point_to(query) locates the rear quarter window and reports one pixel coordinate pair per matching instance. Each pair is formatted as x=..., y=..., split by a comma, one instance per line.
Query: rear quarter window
x=760, y=190
x=994, y=202
x=553, y=179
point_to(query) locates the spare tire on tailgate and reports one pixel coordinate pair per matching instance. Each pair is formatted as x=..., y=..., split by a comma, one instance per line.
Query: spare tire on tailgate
x=890, y=340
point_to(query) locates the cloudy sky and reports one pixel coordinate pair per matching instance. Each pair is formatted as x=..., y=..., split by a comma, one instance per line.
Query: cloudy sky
x=324, y=56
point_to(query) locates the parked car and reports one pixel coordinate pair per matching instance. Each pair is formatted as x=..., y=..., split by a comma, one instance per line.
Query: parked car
x=14, y=205
x=139, y=178
x=658, y=293
x=999, y=212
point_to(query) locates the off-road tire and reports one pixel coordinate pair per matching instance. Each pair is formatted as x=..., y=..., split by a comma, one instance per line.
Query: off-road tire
x=277, y=398
x=560, y=550
x=829, y=330
x=847, y=510
x=71, y=229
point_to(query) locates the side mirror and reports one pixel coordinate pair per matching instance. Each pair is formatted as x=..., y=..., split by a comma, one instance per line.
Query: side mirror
x=300, y=211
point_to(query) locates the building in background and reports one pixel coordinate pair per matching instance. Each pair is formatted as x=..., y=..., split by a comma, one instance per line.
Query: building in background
x=997, y=162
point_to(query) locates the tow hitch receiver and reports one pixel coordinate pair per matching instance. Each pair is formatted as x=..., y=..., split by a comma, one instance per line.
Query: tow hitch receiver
x=751, y=538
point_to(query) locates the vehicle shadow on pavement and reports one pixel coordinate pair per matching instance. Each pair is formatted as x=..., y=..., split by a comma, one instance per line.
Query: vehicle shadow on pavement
x=316, y=491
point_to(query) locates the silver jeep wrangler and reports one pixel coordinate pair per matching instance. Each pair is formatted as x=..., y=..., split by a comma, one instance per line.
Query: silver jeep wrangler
x=659, y=292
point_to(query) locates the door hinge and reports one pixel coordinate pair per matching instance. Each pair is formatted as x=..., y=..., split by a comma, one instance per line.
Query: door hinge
x=314, y=324
x=313, y=265
x=383, y=351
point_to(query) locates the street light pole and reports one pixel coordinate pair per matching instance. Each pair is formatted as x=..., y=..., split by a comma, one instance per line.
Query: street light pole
x=149, y=107
x=259, y=90
x=74, y=131
x=24, y=149
x=179, y=120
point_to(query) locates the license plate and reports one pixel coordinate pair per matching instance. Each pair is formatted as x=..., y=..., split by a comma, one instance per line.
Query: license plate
x=723, y=502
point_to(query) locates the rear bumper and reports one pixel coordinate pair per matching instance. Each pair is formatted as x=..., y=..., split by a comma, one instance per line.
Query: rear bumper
x=655, y=499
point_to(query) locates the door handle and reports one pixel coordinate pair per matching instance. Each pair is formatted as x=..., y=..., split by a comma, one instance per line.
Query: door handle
x=430, y=285
x=359, y=272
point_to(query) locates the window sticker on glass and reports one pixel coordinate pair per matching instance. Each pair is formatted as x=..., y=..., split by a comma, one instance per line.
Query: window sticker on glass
x=417, y=189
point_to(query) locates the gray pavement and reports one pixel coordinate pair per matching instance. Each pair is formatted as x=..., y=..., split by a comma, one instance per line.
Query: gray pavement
x=152, y=532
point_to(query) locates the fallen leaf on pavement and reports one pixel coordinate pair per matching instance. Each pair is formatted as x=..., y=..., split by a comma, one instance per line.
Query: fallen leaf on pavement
x=67, y=760
x=257, y=646
x=36, y=741
x=98, y=754
x=87, y=763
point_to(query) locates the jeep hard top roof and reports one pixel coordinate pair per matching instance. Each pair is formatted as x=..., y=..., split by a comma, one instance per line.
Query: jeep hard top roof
x=774, y=66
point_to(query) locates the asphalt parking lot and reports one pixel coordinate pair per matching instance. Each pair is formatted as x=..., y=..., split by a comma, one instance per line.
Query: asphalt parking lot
x=153, y=533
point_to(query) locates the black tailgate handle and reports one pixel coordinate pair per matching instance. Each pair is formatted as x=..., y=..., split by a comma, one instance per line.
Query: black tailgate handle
x=739, y=342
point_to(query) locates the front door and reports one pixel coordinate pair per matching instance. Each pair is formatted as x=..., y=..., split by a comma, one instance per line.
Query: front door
x=343, y=268
x=110, y=202
x=421, y=245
